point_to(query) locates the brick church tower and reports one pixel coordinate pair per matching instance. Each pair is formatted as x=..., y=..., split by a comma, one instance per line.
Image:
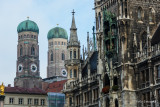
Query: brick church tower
x=27, y=74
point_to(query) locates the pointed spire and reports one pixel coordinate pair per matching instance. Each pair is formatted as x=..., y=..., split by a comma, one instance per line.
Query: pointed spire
x=73, y=33
x=73, y=26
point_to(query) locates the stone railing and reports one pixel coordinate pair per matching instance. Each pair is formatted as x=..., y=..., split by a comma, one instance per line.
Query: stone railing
x=150, y=52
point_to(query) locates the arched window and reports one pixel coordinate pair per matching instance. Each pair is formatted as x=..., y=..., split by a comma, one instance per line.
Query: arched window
x=51, y=56
x=75, y=73
x=140, y=13
x=151, y=15
x=75, y=54
x=63, y=56
x=32, y=50
x=21, y=50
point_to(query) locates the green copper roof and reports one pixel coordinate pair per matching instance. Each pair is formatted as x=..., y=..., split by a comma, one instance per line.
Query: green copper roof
x=57, y=32
x=27, y=25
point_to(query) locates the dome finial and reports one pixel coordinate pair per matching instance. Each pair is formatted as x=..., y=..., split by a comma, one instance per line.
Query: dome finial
x=57, y=25
x=28, y=17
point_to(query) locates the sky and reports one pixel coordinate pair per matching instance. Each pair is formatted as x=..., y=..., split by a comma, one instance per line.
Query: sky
x=47, y=14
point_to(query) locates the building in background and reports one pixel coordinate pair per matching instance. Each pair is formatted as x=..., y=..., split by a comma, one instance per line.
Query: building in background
x=26, y=97
x=57, y=52
x=28, y=74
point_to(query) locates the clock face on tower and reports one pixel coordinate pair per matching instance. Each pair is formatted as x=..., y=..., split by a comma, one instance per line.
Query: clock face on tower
x=64, y=72
x=20, y=68
x=33, y=68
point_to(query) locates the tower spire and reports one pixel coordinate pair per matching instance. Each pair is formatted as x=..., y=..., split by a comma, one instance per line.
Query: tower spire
x=73, y=33
x=73, y=26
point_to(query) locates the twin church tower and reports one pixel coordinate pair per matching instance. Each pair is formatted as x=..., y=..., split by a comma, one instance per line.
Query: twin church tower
x=28, y=64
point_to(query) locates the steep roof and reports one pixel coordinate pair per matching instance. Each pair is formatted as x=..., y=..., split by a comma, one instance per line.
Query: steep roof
x=56, y=87
x=20, y=90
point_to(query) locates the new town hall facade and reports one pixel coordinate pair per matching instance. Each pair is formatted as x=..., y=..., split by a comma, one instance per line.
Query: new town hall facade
x=124, y=71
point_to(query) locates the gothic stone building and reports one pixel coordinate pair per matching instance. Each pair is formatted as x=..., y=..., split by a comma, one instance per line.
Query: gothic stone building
x=128, y=52
x=81, y=88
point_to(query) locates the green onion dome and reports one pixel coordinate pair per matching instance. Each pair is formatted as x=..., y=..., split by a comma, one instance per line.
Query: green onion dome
x=57, y=32
x=28, y=25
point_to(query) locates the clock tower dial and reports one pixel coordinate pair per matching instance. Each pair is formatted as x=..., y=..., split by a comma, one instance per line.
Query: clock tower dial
x=64, y=72
x=33, y=67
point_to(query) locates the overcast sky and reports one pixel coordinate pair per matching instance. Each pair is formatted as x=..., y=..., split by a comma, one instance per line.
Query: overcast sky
x=47, y=14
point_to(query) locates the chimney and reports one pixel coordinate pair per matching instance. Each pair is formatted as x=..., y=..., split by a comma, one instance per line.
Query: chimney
x=9, y=85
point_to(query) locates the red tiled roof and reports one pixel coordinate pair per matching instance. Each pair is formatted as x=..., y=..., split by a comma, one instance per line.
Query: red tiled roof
x=20, y=90
x=56, y=87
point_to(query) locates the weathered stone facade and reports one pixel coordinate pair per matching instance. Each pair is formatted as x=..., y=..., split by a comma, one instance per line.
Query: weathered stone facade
x=124, y=32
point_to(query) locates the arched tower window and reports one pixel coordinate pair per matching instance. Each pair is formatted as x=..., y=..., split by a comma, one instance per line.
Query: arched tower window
x=21, y=50
x=99, y=21
x=75, y=73
x=71, y=73
x=63, y=56
x=75, y=54
x=121, y=9
x=70, y=54
x=32, y=50
x=140, y=14
x=51, y=56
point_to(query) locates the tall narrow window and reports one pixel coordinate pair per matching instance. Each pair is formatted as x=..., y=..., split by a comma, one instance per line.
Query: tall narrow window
x=115, y=81
x=63, y=56
x=74, y=54
x=51, y=56
x=99, y=21
x=139, y=13
x=158, y=72
x=75, y=73
x=70, y=54
x=70, y=101
x=32, y=50
x=71, y=73
x=20, y=102
x=144, y=41
x=116, y=103
x=11, y=100
x=36, y=102
x=29, y=101
x=151, y=15
x=21, y=50
x=78, y=54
